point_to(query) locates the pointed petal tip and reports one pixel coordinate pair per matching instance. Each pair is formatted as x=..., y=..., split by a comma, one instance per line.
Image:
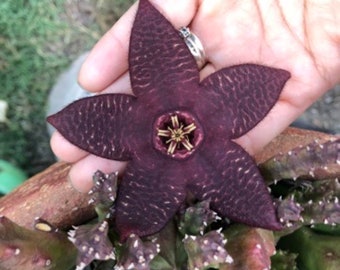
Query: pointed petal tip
x=270, y=221
x=284, y=74
x=275, y=225
x=52, y=120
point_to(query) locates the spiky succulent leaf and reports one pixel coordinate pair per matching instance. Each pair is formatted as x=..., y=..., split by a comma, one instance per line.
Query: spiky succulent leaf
x=315, y=161
x=207, y=251
x=103, y=193
x=92, y=243
x=197, y=218
x=137, y=254
x=317, y=204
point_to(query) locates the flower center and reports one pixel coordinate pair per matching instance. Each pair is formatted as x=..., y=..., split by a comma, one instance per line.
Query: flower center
x=177, y=134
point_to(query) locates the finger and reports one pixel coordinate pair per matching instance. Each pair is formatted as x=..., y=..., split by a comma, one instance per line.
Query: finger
x=109, y=58
x=121, y=85
x=257, y=138
x=81, y=172
x=65, y=150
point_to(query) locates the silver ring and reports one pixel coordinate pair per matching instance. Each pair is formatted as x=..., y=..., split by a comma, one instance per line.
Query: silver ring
x=194, y=44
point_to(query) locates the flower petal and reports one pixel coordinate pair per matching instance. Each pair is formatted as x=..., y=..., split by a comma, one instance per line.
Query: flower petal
x=247, y=93
x=97, y=124
x=148, y=197
x=231, y=180
x=158, y=58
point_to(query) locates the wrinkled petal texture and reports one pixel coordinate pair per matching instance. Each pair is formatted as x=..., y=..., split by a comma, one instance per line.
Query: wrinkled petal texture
x=159, y=61
x=148, y=197
x=246, y=93
x=97, y=124
x=228, y=177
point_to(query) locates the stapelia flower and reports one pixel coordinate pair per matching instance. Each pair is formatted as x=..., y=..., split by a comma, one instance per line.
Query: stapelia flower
x=176, y=132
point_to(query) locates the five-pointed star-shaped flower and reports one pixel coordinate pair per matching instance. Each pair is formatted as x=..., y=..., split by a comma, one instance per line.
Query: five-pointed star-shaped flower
x=176, y=132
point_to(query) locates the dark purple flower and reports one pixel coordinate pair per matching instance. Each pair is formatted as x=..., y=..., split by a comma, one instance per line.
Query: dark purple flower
x=176, y=132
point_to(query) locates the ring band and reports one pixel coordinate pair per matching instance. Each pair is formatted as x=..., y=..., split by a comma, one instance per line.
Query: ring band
x=194, y=44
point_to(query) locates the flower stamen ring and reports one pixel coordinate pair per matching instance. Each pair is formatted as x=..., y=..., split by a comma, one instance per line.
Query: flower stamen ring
x=194, y=44
x=177, y=134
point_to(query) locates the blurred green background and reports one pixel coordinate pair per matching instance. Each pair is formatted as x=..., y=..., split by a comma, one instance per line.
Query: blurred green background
x=38, y=40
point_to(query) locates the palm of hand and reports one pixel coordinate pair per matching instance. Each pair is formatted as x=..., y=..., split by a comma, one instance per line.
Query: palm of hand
x=283, y=36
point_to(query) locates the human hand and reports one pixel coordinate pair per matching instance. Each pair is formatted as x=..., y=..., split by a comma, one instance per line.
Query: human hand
x=301, y=37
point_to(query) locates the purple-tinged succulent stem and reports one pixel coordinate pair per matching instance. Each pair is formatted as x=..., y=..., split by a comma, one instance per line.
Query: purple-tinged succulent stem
x=197, y=218
x=319, y=204
x=207, y=251
x=251, y=248
x=289, y=139
x=315, y=161
x=137, y=254
x=92, y=243
x=42, y=249
x=92, y=240
x=103, y=193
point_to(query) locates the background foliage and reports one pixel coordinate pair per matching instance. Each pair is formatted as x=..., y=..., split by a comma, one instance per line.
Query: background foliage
x=38, y=39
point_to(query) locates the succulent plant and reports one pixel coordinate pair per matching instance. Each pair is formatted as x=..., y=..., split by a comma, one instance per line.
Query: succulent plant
x=250, y=248
x=43, y=248
x=92, y=243
x=310, y=172
x=92, y=240
x=137, y=254
x=187, y=186
x=196, y=238
x=103, y=193
x=318, y=205
x=206, y=251
x=197, y=218
x=180, y=131
x=306, y=177
x=314, y=161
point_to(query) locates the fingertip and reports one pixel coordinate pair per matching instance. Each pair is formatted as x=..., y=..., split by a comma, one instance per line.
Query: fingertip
x=108, y=60
x=79, y=180
x=64, y=150
x=81, y=172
